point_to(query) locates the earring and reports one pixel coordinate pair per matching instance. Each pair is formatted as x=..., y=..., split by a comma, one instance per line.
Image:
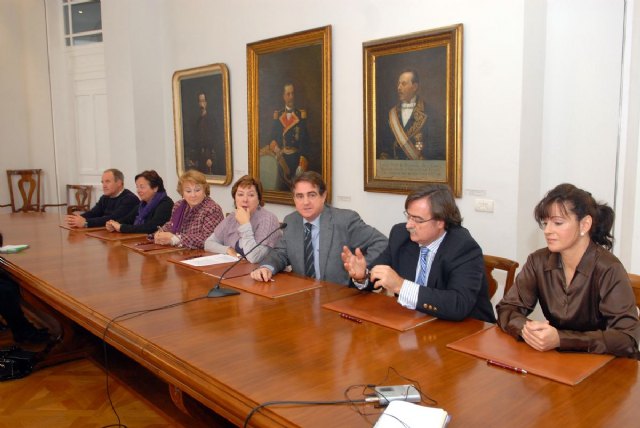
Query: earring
x=581, y=233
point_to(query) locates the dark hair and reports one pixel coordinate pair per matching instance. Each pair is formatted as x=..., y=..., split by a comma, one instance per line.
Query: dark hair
x=248, y=181
x=155, y=181
x=442, y=201
x=117, y=174
x=571, y=199
x=195, y=177
x=310, y=177
x=414, y=75
x=288, y=83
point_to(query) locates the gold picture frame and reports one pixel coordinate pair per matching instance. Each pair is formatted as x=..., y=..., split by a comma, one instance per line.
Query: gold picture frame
x=413, y=111
x=202, y=124
x=289, y=72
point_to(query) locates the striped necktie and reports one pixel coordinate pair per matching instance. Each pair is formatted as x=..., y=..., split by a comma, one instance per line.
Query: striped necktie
x=423, y=273
x=309, y=268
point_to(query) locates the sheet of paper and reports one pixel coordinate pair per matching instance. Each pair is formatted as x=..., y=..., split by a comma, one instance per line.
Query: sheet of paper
x=409, y=415
x=13, y=248
x=215, y=259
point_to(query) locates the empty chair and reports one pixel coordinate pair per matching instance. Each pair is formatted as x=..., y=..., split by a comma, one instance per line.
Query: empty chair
x=500, y=263
x=635, y=284
x=24, y=183
x=78, y=197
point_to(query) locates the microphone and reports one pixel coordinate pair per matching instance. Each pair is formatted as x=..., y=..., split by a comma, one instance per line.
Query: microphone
x=218, y=291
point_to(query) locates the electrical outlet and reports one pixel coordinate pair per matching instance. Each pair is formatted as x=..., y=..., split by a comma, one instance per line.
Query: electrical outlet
x=484, y=205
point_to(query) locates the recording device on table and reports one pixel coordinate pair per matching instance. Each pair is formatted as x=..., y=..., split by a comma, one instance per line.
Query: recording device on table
x=218, y=291
x=383, y=395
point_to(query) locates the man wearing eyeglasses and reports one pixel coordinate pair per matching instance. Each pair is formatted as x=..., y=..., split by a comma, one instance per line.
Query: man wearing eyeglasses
x=431, y=263
x=315, y=235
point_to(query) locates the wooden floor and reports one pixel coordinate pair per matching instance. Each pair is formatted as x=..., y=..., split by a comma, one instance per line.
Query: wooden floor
x=73, y=394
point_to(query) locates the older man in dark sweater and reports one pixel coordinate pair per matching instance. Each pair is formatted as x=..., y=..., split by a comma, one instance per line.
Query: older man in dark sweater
x=116, y=202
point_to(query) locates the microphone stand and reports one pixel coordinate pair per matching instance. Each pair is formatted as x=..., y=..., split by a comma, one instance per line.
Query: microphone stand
x=218, y=291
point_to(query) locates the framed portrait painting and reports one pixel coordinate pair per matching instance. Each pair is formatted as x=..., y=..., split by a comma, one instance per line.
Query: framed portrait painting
x=413, y=111
x=201, y=122
x=289, y=108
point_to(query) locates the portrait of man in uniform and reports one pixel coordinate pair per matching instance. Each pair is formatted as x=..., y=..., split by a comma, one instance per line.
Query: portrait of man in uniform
x=289, y=110
x=289, y=140
x=412, y=104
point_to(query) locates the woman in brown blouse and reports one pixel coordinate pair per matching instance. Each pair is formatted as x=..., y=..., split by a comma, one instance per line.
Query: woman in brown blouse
x=583, y=289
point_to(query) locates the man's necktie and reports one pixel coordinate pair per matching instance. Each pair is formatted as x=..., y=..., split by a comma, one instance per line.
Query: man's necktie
x=309, y=269
x=422, y=273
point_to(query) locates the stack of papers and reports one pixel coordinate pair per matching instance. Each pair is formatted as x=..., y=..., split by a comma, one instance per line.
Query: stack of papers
x=7, y=249
x=210, y=260
x=408, y=415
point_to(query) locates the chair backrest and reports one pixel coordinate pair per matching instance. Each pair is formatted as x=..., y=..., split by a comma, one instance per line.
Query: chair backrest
x=500, y=263
x=635, y=284
x=78, y=197
x=26, y=184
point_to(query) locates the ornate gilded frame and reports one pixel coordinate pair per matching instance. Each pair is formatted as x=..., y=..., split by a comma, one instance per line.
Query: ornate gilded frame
x=203, y=144
x=303, y=60
x=399, y=158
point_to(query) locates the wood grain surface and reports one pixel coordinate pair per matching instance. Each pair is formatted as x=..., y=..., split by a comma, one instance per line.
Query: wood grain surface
x=234, y=353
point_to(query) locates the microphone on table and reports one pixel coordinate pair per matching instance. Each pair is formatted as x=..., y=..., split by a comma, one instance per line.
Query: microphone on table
x=218, y=291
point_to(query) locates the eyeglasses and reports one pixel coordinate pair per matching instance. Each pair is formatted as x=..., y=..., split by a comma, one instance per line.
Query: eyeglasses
x=416, y=220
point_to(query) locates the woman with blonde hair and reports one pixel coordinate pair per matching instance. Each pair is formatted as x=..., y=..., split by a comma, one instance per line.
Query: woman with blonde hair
x=194, y=217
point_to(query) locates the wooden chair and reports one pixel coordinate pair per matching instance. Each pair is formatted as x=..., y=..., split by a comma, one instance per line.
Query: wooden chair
x=26, y=183
x=78, y=197
x=500, y=263
x=635, y=284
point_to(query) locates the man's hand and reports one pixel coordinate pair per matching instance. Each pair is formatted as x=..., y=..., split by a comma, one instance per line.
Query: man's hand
x=112, y=226
x=262, y=274
x=540, y=335
x=354, y=264
x=75, y=220
x=385, y=276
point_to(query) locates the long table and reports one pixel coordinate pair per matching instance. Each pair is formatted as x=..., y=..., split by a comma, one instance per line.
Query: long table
x=234, y=353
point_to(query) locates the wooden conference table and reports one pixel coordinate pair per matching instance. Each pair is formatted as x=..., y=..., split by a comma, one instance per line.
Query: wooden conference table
x=234, y=353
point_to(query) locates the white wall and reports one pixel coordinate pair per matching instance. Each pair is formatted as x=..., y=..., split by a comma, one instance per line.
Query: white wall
x=540, y=94
x=25, y=109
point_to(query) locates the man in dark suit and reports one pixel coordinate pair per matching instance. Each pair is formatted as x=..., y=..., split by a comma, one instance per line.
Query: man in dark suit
x=431, y=263
x=331, y=229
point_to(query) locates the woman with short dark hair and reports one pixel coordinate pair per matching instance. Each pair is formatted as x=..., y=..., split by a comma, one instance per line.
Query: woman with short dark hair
x=153, y=211
x=582, y=288
x=240, y=232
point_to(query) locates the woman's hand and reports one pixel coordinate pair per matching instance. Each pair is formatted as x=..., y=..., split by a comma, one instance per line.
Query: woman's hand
x=540, y=335
x=242, y=215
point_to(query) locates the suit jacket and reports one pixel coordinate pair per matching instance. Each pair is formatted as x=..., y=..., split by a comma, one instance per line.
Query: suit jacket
x=338, y=227
x=457, y=286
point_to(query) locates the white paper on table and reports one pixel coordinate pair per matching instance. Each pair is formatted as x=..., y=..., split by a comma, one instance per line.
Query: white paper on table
x=7, y=249
x=402, y=414
x=215, y=259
